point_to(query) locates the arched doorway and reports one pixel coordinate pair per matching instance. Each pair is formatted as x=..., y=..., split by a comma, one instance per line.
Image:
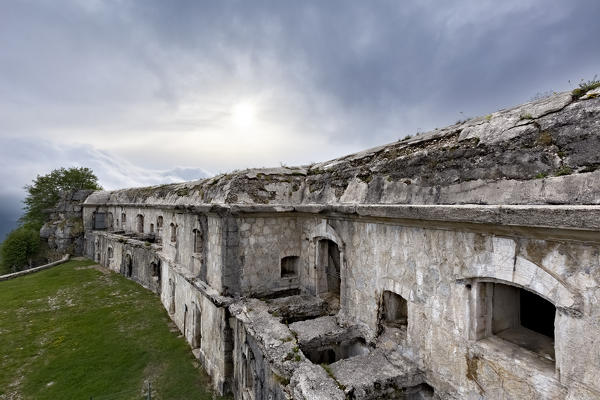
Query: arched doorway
x=140, y=223
x=328, y=268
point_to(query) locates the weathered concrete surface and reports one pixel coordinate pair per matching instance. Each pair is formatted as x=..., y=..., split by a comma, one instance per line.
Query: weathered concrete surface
x=299, y=307
x=311, y=382
x=377, y=375
x=322, y=331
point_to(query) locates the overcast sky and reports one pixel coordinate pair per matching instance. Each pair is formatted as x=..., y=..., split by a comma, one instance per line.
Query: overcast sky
x=153, y=91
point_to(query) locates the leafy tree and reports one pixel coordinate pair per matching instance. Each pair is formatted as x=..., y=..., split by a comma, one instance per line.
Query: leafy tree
x=44, y=192
x=18, y=249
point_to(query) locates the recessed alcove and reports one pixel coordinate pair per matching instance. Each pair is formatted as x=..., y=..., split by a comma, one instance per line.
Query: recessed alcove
x=289, y=266
x=516, y=315
x=395, y=310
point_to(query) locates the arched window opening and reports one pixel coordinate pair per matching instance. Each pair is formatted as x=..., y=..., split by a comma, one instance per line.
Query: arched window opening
x=517, y=316
x=139, y=223
x=151, y=228
x=198, y=241
x=289, y=266
x=110, y=253
x=159, y=222
x=173, y=232
x=123, y=219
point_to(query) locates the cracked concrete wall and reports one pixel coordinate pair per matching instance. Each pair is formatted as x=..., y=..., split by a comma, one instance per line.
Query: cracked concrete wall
x=213, y=324
x=214, y=253
x=264, y=241
x=428, y=267
x=142, y=257
x=213, y=347
x=253, y=377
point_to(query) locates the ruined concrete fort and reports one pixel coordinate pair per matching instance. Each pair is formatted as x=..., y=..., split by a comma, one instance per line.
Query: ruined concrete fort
x=463, y=263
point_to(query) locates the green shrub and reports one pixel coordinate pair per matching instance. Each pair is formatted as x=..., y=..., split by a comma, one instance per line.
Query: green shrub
x=18, y=250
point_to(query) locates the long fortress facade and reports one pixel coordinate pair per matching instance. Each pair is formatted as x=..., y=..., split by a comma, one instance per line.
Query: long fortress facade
x=463, y=263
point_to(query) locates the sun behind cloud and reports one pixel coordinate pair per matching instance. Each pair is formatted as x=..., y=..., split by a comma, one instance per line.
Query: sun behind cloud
x=243, y=114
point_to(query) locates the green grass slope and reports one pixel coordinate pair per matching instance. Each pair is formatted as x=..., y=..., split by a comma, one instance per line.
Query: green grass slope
x=78, y=332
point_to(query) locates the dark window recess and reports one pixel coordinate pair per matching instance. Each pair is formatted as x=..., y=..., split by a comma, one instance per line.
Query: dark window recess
x=154, y=269
x=537, y=313
x=289, y=266
x=395, y=309
x=140, y=223
x=173, y=232
x=99, y=220
x=520, y=317
x=198, y=241
x=128, y=266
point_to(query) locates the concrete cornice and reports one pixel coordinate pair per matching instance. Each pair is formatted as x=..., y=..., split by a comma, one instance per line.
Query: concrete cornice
x=571, y=217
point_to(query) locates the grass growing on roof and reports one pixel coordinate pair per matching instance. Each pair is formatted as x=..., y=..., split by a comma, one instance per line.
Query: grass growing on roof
x=76, y=332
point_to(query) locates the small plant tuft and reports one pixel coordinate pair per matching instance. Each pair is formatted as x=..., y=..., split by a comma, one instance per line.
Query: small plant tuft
x=281, y=379
x=541, y=175
x=327, y=369
x=545, y=138
x=525, y=116
x=564, y=170
x=585, y=86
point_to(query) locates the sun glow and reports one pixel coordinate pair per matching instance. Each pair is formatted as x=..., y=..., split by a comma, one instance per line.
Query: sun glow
x=243, y=114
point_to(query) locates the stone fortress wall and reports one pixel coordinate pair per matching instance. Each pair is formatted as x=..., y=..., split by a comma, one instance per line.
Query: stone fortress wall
x=460, y=264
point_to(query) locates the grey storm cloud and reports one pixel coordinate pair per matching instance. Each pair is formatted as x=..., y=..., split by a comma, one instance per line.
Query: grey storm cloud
x=142, y=91
x=368, y=68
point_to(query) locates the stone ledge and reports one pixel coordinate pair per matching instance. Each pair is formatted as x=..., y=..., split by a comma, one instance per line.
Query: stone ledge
x=36, y=269
x=579, y=217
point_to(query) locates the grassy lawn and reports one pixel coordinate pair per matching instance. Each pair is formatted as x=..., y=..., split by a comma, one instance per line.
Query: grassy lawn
x=77, y=332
